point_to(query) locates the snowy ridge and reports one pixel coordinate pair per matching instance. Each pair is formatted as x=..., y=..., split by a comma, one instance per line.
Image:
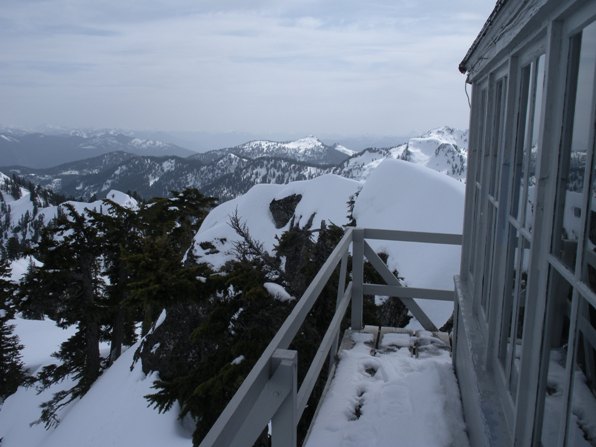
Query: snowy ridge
x=44, y=150
x=24, y=211
x=324, y=197
x=396, y=195
x=227, y=173
x=307, y=150
x=443, y=149
x=405, y=196
x=344, y=150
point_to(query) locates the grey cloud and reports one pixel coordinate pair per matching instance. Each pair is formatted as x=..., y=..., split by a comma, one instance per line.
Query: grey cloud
x=260, y=66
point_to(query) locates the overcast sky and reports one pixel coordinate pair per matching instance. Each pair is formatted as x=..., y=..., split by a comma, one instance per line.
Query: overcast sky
x=353, y=67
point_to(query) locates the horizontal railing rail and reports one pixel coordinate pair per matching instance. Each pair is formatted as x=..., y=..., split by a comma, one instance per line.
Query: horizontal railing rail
x=269, y=394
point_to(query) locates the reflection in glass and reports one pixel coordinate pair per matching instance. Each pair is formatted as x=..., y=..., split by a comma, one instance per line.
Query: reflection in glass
x=576, y=145
x=581, y=426
x=477, y=190
x=533, y=85
x=500, y=93
x=488, y=259
x=514, y=308
x=560, y=298
x=519, y=312
x=583, y=139
x=538, y=83
x=508, y=298
x=517, y=201
x=480, y=137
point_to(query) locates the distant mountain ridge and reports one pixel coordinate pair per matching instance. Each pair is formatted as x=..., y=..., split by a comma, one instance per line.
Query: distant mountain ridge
x=43, y=150
x=308, y=150
x=227, y=173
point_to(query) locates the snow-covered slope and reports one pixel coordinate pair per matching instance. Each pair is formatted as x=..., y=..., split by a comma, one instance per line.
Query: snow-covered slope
x=443, y=150
x=325, y=197
x=25, y=209
x=114, y=412
x=404, y=196
x=396, y=195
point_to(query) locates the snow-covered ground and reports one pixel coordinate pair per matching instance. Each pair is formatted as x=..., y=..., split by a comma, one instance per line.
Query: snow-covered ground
x=325, y=197
x=397, y=195
x=422, y=392
x=113, y=413
x=400, y=195
x=388, y=397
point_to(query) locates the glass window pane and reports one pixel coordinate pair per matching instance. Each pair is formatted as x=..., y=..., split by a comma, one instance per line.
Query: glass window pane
x=532, y=144
x=559, y=303
x=575, y=147
x=508, y=295
x=583, y=139
x=480, y=137
x=581, y=430
x=558, y=336
x=474, y=230
x=518, y=168
x=488, y=259
x=514, y=307
x=528, y=132
x=517, y=319
x=500, y=92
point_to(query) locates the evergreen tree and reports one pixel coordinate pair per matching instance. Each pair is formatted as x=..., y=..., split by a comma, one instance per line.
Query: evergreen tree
x=71, y=277
x=214, y=351
x=158, y=277
x=236, y=322
x=120, y=236
x=11, y=367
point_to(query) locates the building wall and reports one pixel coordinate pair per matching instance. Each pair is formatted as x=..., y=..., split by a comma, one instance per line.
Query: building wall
x=527, y=288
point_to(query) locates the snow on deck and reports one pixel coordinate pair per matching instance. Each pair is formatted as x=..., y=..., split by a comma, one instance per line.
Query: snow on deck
x=404, y=393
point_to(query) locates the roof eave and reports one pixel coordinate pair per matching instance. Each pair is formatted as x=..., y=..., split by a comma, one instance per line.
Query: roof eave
x=463, y=66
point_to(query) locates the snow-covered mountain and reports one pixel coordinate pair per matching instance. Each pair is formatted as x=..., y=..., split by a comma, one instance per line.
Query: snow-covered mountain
x=227, y=173
x=43, y=150
x=26, y=208
x=394, y=195
x=443, y=149
x=323, y=198
x=225, y=177
x=309, y=150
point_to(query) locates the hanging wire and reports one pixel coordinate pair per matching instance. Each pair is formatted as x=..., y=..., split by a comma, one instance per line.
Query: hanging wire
x=467, y=95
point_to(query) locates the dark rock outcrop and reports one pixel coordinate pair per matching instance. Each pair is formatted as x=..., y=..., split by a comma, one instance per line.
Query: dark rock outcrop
x=282, y=210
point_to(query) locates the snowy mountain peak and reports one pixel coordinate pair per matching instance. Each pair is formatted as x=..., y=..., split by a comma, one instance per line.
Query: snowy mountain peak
x=305, y=144
x=300, y=145
x=306, y=150
x=450, y=135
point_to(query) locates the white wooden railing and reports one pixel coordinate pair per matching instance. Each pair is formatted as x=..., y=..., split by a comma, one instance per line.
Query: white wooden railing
x=270, y=392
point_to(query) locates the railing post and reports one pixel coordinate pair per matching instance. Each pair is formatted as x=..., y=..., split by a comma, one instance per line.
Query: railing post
x=284, y=421
x=341, y=289
x=357, y=277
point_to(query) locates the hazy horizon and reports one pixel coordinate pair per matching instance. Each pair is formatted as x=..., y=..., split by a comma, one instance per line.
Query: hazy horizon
x=269, y=69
